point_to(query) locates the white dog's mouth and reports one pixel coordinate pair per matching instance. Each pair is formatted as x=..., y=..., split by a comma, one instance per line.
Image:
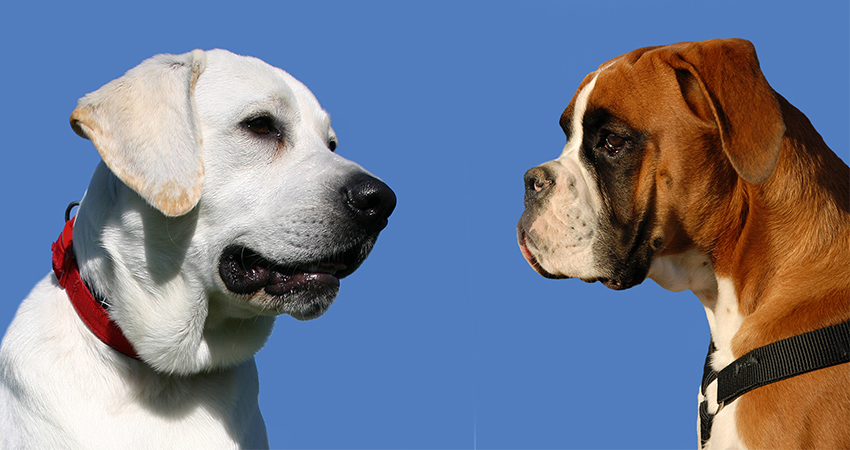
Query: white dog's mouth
x=245, y=271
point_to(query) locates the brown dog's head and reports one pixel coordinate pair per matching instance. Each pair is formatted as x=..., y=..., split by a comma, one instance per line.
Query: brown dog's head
x=655, y=139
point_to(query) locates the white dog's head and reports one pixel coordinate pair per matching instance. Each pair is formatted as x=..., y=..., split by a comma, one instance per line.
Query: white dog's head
x=220, y=204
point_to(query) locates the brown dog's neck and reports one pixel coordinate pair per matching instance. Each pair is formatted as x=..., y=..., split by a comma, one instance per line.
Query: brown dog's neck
x=792, y=230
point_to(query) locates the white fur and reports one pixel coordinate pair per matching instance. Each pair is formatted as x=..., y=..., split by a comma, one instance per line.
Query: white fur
x=180, y=181
x=572, y=215
x=724, y=319
x=692, y=270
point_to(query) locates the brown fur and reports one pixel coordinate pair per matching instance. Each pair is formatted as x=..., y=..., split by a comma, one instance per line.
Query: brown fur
x=762, y=194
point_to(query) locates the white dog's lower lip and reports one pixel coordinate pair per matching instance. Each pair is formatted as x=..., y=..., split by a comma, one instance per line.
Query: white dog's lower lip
x=280, y=284
x=244, y=271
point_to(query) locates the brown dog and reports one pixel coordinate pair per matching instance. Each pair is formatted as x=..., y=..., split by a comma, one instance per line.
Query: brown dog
x=683, y=165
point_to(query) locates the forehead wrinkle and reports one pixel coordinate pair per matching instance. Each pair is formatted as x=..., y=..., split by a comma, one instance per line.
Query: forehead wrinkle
x=647, y=89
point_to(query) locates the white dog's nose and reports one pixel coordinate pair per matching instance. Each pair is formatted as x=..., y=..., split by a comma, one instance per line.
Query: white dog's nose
x=371, y=201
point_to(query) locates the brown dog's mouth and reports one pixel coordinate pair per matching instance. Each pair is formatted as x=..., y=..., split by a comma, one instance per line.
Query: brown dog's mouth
x=244, y=271
x=526, y=253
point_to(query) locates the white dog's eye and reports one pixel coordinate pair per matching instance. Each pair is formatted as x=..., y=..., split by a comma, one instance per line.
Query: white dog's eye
x=332, y=144
x=262, y=125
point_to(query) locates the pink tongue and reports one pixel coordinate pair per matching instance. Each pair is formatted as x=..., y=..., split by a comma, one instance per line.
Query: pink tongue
x=280, y=284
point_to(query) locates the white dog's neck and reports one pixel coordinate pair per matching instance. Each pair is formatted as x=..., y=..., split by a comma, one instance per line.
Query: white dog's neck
x=193, y=333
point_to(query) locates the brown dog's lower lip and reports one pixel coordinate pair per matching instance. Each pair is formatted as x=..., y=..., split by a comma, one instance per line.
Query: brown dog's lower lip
x=526, y=253
x=532, y=261
x=524, y=248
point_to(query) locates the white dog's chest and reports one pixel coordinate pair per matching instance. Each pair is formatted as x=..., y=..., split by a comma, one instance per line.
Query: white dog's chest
x=80, y=402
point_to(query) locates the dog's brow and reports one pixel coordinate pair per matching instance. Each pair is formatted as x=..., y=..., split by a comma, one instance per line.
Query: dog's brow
x=278, y=107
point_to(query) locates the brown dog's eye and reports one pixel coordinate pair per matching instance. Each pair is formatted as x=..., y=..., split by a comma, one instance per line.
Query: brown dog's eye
x=614, y=143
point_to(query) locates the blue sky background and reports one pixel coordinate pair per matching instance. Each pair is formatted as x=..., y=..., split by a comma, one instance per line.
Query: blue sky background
x=445, y=338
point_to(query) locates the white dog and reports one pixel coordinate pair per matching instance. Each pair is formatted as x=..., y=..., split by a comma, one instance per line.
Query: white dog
x=219, y=205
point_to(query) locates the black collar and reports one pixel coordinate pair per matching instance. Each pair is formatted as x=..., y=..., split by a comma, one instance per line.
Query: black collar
x=774, y=362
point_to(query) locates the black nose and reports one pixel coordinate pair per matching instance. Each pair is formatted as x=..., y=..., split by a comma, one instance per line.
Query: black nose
x=371, y=201
x=538, y=180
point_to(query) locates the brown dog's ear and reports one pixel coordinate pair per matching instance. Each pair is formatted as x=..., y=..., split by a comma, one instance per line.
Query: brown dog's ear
x=145, y=128
x=721, y=81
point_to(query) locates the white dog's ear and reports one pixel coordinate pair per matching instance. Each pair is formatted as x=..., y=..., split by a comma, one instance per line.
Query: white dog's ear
x=145, y=127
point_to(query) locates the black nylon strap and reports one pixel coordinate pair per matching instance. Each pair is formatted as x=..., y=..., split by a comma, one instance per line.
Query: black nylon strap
x=706, y=418
x=784, y=359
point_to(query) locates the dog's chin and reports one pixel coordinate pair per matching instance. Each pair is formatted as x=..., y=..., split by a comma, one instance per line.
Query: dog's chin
x=306, y=302
x=625, y=279
x=617, y=283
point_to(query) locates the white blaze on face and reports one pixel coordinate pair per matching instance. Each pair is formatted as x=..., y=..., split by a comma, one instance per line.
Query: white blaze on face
x=561, y=236
x=576, y=129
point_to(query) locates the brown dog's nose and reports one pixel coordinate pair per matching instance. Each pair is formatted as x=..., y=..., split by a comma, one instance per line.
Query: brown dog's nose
x=538, y=180
x=371, y=201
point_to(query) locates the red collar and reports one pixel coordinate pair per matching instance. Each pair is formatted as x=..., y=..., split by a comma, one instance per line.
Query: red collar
x=90, y=310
